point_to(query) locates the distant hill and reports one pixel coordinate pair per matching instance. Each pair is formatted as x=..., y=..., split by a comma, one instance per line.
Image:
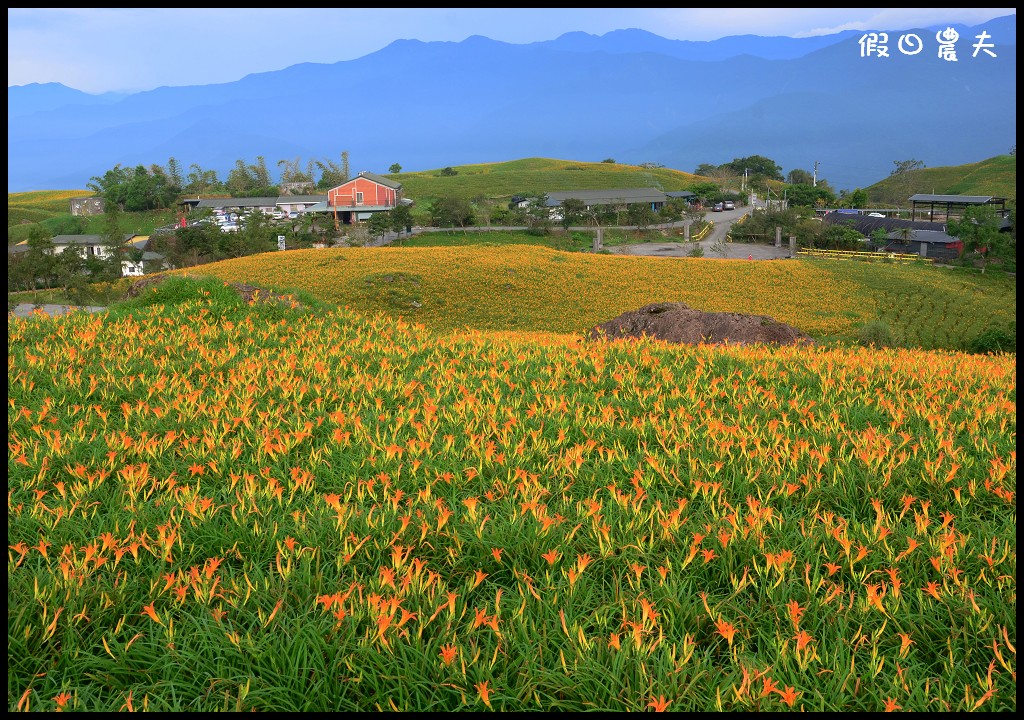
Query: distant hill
x=42, y=97
x=628, y=95
x=536, y=176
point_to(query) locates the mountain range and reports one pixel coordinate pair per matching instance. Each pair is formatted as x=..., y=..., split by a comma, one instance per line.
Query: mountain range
x=629, y=95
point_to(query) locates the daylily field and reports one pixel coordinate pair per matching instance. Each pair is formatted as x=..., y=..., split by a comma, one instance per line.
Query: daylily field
x=222, y=506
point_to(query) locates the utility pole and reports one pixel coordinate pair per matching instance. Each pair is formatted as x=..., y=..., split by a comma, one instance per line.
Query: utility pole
x=815, y=173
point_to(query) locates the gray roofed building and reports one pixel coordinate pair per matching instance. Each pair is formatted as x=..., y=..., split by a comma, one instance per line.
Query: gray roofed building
x=624, y=196
x=926, y=243
x=947, y=206
x=250, y=202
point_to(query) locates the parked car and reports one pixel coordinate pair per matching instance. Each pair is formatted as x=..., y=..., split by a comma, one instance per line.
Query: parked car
x=718, y=207
x=229, y=227
x=728, y=205
x=875, y=215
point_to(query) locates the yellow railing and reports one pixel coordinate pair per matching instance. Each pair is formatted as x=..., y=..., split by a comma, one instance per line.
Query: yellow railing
x=859, y=255
x=700, y=235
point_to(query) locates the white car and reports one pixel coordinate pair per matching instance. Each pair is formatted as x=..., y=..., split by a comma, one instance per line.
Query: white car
x=876, y=215
x=229, y=227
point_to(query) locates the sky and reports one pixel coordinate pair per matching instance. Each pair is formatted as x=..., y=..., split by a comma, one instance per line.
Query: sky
x=99, y=50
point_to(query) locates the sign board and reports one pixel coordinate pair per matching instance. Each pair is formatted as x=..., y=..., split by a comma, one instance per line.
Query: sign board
x=280, y=242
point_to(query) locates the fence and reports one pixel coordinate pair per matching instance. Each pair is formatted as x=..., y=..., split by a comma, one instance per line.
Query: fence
x=859, y=255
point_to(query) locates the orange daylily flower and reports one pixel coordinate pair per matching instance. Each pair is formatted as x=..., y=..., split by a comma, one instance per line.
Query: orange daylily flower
x=150, y=610
x=803, y=639
x=768, y=685
x=550, y=556
x=789, y=695
x=62, y=699
x=932, y=589
x=485, y=692
x=659, y=703
x=726, y=630
x=448, y=653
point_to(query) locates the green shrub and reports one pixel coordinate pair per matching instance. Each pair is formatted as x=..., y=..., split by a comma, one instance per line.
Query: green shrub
x=994, y=340
x=877, y=334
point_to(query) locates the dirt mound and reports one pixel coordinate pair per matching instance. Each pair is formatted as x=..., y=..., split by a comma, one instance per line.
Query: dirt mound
x=678, y=323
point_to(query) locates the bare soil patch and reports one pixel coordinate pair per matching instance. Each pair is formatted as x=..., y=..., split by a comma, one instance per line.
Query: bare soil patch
x=678, y=323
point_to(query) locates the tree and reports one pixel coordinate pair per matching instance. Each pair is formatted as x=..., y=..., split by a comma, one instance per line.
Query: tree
x=879, y=239
x=704, y=191
x=200, y=181
x=978, y=230
x=108, y=267
x=449, y=172
x=174, y=173
x=378, y=224
x=673, y=210
x=755, y=166
x=482, y=205
x=641, y=215
x=799, y=177
x=899, y=186
x=610, y=161
x=293, y=172
x=260, y=173
x=840, y=237
x=905, y=166
x=706, y=170
x=809, y=196
x=857, y=199
x=573, y=210
x=538, y=215
x=401, y=219
x=395, y=169
x=331, y=173
x=240, y=178
x=721, y=246
x=450, y=211
x=36, y=265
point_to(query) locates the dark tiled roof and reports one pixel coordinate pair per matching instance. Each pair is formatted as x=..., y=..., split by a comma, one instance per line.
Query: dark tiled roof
x=380, y=180
x=608, y=197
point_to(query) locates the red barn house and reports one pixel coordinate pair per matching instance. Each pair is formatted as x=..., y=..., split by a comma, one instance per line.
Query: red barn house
x=362, y=196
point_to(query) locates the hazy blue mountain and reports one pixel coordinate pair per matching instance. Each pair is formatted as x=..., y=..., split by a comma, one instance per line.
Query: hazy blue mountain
x=36, y=97
x=629, y=95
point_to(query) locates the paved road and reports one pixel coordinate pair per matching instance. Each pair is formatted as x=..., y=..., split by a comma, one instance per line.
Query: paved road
x=25, y=310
